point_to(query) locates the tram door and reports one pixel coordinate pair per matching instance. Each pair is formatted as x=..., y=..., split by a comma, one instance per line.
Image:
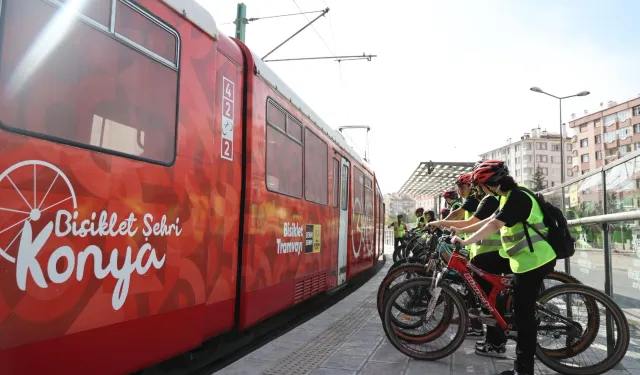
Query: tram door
x=344, y=221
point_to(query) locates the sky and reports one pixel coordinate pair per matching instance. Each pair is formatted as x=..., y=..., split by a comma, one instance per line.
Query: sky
x=452, y=78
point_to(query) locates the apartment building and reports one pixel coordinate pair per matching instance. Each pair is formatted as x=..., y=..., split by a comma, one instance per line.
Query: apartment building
x=398, y=204
x=428, y=202
x=604, y=136
x=536, y=149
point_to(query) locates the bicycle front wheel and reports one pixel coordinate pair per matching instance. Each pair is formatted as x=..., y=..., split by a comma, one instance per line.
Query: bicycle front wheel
x=433, y=341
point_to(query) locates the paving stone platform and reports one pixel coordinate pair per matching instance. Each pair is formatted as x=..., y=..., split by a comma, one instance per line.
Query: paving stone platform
x=348, y=339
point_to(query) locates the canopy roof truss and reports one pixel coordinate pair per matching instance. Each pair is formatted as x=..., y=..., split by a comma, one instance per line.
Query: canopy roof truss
x=433, y=178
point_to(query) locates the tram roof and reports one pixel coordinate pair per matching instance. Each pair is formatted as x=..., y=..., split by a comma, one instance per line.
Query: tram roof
x=264, y=71
x=433, y=178
x=196, y=13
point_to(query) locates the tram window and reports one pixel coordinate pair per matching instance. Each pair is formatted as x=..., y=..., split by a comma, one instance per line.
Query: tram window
x=276, y=117
x=284, y=154
x=144, y=32
x=97, y=10
x=344, y=187
x=358, y=185
x=336, y=181
x=316, y=178
x=368, y=197
x=294, y=129
x=89, y=89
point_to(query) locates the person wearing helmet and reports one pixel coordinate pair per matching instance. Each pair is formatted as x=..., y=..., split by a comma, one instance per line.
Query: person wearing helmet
x=530, y=257
x=484, y=256
x=454, y=205
x=420, y=219
x=399, y=228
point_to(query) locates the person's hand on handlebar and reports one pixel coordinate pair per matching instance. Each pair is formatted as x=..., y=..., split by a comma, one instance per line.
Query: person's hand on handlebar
x=436, y=224
x=458, y=241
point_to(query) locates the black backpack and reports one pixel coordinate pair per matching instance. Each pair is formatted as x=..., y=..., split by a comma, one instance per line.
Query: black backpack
x=559, y=236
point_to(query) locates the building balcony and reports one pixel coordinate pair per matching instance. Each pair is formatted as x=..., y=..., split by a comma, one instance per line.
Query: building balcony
x=626, y=141
x=610, y=128
x=611, y=145
x=624, y=124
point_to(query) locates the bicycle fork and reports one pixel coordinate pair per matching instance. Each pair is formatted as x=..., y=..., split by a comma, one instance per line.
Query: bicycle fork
x=435, y=295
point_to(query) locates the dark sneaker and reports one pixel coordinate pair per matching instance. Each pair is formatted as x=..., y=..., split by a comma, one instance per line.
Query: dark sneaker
x=477, y=313
x=473, y=333
x=489, y=350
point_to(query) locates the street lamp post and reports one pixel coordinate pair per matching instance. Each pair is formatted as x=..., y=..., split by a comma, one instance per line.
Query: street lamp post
x=567, y=263
x=581, y=93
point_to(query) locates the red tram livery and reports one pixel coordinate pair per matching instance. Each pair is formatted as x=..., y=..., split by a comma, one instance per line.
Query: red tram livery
x=159, y=185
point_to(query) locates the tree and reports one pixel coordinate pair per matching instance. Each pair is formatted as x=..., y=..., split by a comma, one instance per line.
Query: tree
x=538, y=180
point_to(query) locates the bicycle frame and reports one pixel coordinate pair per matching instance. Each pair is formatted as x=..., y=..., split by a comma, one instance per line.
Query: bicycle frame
x=499, y=284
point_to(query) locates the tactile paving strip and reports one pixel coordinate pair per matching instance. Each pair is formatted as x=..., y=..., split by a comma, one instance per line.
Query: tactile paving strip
x=311, y=354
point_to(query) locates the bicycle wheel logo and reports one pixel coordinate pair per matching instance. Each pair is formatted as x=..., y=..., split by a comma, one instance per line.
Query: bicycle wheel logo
x=19, y=244
x=362, y=228
x=33, y=207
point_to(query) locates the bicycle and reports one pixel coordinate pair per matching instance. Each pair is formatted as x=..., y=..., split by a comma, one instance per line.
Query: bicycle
x=440, y=292
x=427, y=263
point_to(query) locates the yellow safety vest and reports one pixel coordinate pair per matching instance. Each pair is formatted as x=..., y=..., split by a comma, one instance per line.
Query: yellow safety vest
x=398, y=229
x=418, y=224
x=489, y=244
x=515, y=246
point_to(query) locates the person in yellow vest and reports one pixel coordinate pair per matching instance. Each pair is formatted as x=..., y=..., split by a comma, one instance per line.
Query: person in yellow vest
x=399, y=227
x=530, y=257
x=420, y=219
x=483, y=255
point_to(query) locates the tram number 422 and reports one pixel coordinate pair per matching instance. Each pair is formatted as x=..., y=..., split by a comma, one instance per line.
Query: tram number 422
x=228, y=93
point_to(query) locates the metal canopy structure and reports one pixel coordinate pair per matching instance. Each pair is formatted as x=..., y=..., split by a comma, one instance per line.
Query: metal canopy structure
x=433, y=178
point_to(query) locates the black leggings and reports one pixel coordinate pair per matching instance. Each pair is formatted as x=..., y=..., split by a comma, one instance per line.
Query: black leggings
x=526, y=287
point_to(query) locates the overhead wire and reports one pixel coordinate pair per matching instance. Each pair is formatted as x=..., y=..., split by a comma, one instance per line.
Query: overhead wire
x=314, y=29
x=278, y=16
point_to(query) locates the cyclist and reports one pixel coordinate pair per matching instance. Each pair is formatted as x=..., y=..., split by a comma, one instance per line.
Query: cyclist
x=454, y=204
x=431, y=216
x=420, y=219
x=399, y=227
x=444, y=213
x=483, y=255
x=531, y=258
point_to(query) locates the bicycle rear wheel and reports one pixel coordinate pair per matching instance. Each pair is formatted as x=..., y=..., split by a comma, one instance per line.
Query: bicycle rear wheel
x=586, y=337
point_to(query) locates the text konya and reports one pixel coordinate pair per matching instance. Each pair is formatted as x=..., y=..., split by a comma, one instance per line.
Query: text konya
x=67, y=224
x=290, y=230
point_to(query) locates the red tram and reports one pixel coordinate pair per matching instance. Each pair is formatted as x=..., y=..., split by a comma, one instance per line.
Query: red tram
x=159, y=185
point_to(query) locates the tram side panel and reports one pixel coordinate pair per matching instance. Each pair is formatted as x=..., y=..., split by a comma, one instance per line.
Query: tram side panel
x=288, y=234
x=226, y=85
x=361, y=231
x=113, y=187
